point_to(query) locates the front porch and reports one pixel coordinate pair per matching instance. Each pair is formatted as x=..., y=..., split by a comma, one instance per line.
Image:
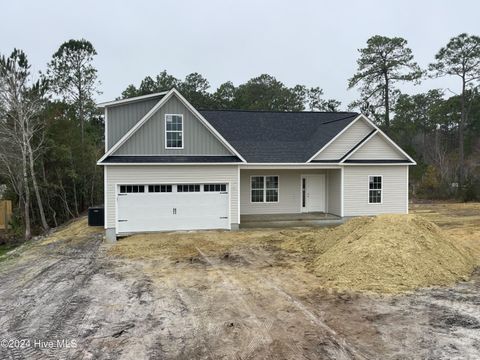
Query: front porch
x=282, y=197
x=289, y=220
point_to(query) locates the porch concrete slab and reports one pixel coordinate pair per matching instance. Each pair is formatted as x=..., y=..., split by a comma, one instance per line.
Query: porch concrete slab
x=289, y=220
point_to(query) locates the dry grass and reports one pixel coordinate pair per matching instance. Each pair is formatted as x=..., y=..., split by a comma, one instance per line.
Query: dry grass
x=460, y=221
x=388, y=254
x=184, y=245
x=76, y=229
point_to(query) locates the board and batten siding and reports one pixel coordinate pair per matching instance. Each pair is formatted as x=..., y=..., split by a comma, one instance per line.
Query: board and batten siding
x=122, y=118
x=346, y=141
x=377, y=148
x=394, y=184
x=150, y=138
x=144, y=175
x=289, y=191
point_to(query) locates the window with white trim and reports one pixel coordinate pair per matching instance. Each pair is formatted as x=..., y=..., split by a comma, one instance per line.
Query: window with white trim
x=174, y=131
x=264, y=189
x=375, y=190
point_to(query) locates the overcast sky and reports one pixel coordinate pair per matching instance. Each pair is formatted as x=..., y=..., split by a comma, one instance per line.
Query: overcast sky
x=299, y=42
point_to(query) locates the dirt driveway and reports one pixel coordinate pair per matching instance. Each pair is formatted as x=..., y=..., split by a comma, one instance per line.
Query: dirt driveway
x=247, y=298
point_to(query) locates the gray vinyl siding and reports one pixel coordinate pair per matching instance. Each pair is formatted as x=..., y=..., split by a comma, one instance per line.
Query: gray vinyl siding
x=395, y=190
x=121, y=118
x=346, y=141
x=138, y=174
x=150, y=138
x=334, y=192
x=289, y=191
x=377, y=148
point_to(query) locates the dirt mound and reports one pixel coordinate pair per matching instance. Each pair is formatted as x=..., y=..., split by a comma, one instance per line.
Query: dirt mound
x=75, y=229
x=389, y=254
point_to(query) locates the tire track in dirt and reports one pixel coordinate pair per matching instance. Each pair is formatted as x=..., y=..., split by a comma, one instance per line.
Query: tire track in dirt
x=47, y=306
x=339, y=349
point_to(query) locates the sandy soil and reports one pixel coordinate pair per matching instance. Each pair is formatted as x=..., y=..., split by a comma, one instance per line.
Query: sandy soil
x=190, y=299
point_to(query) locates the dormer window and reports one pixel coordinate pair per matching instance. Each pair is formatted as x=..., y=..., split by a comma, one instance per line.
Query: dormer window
x=174, y=131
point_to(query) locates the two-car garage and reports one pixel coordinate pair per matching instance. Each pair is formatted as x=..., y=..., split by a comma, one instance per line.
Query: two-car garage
x=165, y=207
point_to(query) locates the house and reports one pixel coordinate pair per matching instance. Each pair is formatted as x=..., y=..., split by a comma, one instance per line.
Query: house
x=169, y=166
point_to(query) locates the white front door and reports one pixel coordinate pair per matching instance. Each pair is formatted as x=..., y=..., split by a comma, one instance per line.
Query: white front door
x=313, y=193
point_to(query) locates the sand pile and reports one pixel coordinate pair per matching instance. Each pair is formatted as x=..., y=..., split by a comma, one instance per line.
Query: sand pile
x=389, y=254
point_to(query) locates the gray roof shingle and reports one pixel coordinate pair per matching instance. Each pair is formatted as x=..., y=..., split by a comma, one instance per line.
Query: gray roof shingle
x=277, y=137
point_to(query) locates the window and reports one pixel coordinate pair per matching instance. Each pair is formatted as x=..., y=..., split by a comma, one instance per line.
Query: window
x=264, y=188
x=215, y=187
x=159, y=188
x=132, y=189
x=173, y=131
x=188, y=188
x=303, y=191
x=374, y=189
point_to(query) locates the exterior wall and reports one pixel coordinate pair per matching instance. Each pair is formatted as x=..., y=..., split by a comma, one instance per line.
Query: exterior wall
x=139, y=174
x=395, y=190
x=150, y=138
x=121, y=118
x=351, y=137
x=289, y=192
x=334, y=192
x=377, y=148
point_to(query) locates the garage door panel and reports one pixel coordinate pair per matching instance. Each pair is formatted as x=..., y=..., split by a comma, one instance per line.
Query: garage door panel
x=140, y=212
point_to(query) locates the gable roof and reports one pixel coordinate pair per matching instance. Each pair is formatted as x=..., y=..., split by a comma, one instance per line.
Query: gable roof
x=277, y=137
x=147, y=116
x=259, y=137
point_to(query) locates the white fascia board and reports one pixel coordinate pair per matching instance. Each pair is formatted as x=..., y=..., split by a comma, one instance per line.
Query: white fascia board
x=288, y=166
x=379, y=164
x=388, y=139
x=361, y=145
x=167, y=164
x=334, y=138
x=208, y=125
x=129, y=100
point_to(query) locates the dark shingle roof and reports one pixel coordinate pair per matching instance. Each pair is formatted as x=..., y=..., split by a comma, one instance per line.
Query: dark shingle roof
x=170, y=159
x=277, y=137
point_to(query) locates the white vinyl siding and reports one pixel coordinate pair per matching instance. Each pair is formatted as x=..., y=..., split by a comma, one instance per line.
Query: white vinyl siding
x=377, y=148
x=180, y=174
x=394, y=190
x=334, y=190
x=346, y=141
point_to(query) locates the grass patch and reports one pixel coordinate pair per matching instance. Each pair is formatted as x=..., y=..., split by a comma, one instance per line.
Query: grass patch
x=5, y=248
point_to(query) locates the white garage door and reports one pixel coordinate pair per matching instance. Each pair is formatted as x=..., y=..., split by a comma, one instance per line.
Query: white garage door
x=172, y=207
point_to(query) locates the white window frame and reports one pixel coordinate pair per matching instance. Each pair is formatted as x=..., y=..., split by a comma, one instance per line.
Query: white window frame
x=177, y=131
x=368, y=190
x=264, y=190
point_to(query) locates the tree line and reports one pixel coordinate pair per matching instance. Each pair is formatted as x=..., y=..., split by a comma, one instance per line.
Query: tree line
x=50, y=137
x=51, y=134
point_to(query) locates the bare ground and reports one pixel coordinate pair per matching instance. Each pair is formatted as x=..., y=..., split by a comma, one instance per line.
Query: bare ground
x=242, y=299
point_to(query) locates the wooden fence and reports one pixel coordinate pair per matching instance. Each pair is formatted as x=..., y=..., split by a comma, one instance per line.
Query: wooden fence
x=5, y=213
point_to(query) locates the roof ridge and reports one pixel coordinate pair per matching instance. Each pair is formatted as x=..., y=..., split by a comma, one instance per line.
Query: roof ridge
x=283, y=112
